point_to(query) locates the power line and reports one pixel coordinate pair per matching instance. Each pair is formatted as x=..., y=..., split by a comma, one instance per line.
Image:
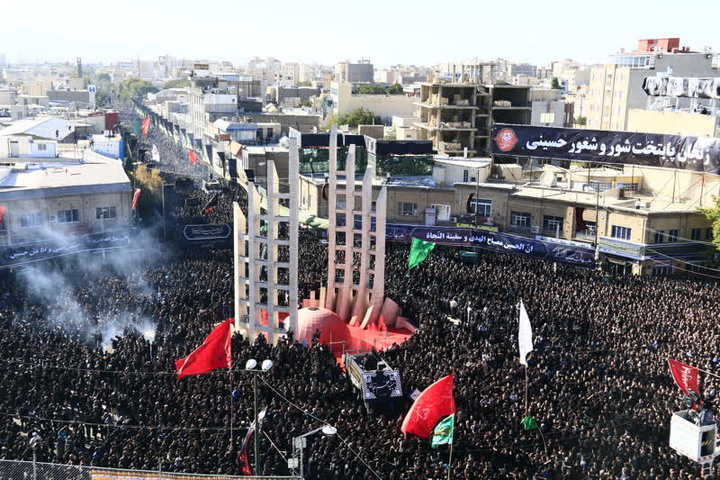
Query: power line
x=321, y=421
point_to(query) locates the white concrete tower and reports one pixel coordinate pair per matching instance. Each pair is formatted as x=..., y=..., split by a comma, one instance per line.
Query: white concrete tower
x=266, y=257
x=356, y=253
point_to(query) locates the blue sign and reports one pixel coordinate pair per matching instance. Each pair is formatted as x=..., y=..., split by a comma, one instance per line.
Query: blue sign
x=495, y=241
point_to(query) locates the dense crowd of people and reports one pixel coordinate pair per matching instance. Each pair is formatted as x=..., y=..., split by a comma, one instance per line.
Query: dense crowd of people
x=87, y=351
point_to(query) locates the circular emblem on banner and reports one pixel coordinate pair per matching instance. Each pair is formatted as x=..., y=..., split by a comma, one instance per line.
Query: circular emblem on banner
x=506, y=139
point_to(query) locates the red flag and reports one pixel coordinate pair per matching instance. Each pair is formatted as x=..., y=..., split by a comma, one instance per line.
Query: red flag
x=432, y=405
x=145, y=126
x=685, y=376
x=215, y=352
x=192, y=157
x=2, y=213
x=136, y=197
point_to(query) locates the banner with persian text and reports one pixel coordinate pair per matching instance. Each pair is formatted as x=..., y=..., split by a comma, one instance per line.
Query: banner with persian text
x=25, y=254
x=604, y=146
x=496, y=241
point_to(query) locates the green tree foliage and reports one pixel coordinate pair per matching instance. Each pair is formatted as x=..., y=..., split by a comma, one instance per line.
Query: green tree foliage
x=555, y=83
x=135, y=88
x=359, y=116
x=372, y=89
x=713, y=213
x=304, y=84
x=395, y=89
x=177, y=83
x=582, y=121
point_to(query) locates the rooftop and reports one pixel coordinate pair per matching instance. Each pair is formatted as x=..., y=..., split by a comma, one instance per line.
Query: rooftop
x=36, y=180
x=44, y=127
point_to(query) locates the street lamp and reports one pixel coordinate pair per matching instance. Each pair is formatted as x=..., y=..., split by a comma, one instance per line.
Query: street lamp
x=250, y=367
x=299, y=444
x=597, y=220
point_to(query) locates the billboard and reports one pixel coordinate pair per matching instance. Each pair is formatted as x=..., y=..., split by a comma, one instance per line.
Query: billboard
x=606, y=146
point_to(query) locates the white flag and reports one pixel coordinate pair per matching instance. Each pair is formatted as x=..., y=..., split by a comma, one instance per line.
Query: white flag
x=524, y=334
x=155, y=154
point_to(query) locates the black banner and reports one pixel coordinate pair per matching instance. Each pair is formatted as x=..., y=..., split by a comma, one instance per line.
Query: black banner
x=17, y=255
x=604, y=146
x=496, y=241
x=215, y=234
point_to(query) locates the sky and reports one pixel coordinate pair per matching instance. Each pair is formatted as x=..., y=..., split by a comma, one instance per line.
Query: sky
x=388, y=32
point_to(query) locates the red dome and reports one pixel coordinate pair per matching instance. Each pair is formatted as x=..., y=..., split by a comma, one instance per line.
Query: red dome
x=310, y=320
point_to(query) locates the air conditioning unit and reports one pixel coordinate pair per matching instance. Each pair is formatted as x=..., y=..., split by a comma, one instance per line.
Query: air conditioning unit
x=535, y=229
x=52, y=218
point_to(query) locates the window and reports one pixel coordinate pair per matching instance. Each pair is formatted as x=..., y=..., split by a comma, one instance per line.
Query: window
x=673, y=236
x=408, y=209
x=103, y=213
x=519, y=219
x=621, y=232
x=659, y=236
x=695, y=233
x=466, y=175
x=629, y=187
x=30, y=220
x=482, y=207
x=68, y=216
x=552, y=224
x=709, y=234
x=42, y=146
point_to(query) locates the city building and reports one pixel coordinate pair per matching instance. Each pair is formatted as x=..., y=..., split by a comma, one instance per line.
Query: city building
x=458, y=115
x=386, y=106
x=50, y=198
x=641, y=220
x=617, y=88
x=348, y=72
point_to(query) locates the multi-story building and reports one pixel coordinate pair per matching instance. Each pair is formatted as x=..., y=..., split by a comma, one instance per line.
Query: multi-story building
x=50, y=198
x=639, y=219
x=361, y=72
x=616, y=88
x=458, y=115
x=345, y=101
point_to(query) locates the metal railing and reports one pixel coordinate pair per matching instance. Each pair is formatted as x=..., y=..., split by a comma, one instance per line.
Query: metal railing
x=21, y=470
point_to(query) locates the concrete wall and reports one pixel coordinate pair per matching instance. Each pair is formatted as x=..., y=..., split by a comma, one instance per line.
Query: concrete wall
x=49, y=207
x=672, y=123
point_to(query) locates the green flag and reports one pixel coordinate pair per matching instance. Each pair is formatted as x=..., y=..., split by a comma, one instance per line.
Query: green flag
x=529, y=423
x=443, y=433
x=137, y=127
x=419, y=251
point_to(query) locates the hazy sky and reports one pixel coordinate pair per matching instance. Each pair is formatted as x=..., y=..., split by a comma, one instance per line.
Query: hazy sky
x=387, y=32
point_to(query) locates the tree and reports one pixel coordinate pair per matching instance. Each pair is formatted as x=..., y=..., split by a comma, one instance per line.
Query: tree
x=582, y=121
x=360, y=116
x=135, y=88
x=304, y=84
x=713, y=213
x=555, y=84
x=395, y=89
x=177, y=83
x=373, y=89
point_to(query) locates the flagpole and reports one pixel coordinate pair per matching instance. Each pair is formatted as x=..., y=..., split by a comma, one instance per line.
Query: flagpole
x=450, y=459
x=526, y=390
x=230, y=375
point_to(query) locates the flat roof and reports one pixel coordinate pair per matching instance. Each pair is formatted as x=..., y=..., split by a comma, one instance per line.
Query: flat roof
x=590, y=199
x=42, y=180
